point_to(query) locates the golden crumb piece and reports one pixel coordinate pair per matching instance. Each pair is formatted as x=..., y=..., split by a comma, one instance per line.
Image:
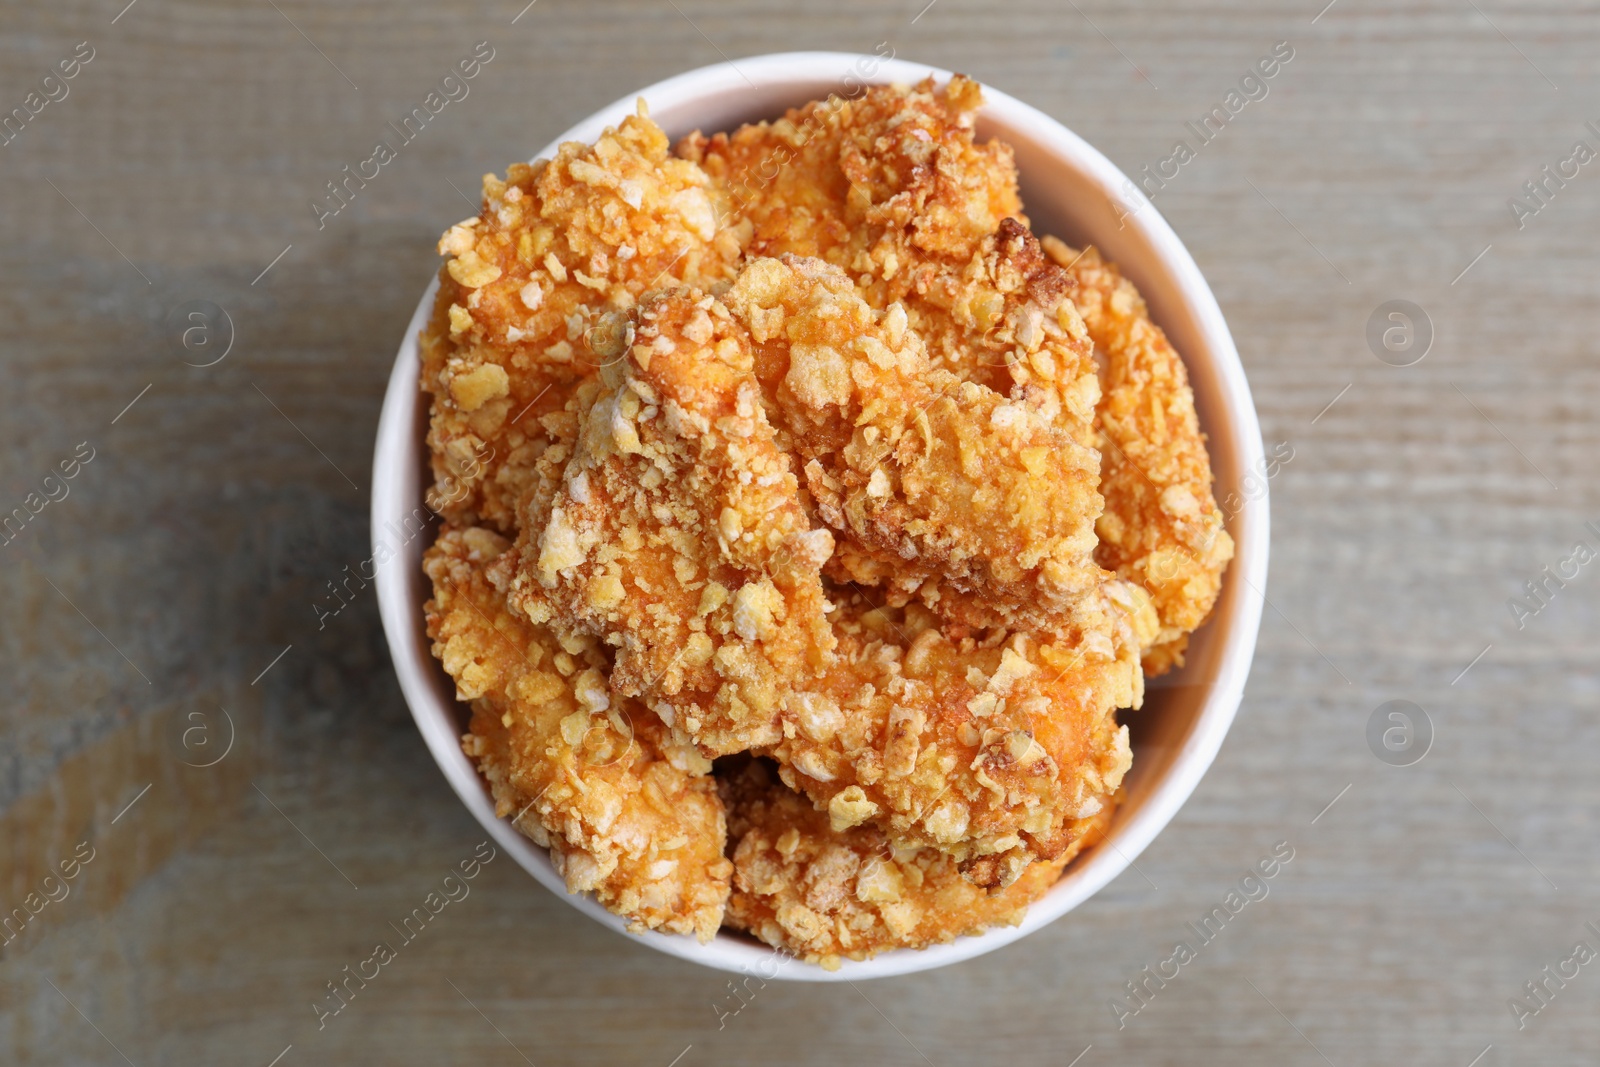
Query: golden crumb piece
x=627, y=814
x=890, y=185
x=909, y=461
x=557, y=245
x=894, y=189
x=830, y=894
x=983, y=750
x=676, y=533
x=1161, y=527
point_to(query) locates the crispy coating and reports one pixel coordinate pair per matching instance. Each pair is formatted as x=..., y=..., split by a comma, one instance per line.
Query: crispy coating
x=894, y=189
x=908, y=460
x=558, y=244
x=825, y=894
x=677, y=535
x=626, y=813
x=1006, y=322
x=983, y=749
x=1161, y=527
x=884, y=185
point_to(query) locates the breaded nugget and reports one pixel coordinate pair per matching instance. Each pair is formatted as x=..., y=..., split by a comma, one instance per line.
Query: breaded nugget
x=625, y=812
x=894, y=189
x=558, y=243
x=876, y=185
x=983, y=749
x=908, y=460
x=824, y=894
x=676, y=533
x=1161, y=527
x=1007, y=320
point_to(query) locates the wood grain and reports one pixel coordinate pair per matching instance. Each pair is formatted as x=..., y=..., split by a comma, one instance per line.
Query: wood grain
x=191, y=549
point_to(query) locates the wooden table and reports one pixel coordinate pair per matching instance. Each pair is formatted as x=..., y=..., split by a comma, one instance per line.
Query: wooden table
x=177, y=577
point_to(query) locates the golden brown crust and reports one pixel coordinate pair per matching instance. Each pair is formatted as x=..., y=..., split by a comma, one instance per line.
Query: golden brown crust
x=676, y=532
x=985, y=748
x=827, y=895
x=557, y=244
x=881, y=185
x=907, y=459
x=1161, y=527
x=894, y=189
x=626, y=813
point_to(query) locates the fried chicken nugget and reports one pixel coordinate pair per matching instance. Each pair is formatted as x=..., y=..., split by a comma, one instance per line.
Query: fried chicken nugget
x=894, y=189
x=1005, y=321
x=676, y=533
x=908, y=460
x=1161, y=527
x=558, y=244
x=876, y=185
x=984, y=750
x=626, y=812
x=803, y=886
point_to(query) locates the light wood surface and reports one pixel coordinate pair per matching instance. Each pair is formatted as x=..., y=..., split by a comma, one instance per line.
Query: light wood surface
x=192, y=547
